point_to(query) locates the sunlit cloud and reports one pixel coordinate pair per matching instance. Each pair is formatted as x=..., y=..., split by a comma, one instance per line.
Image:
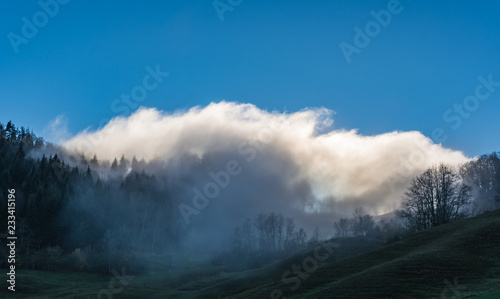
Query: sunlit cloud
x=333, y=167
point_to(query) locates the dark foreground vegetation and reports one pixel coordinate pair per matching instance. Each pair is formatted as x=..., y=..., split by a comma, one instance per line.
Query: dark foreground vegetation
x=457, y=260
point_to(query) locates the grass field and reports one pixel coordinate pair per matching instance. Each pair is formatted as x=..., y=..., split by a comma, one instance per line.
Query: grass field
x=457, y=260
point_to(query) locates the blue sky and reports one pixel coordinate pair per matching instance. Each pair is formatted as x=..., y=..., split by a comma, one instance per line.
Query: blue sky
x=278, y=55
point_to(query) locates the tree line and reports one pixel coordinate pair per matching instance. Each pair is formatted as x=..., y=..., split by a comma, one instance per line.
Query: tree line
x=267, y=237
x=68, y=218
x=362, y=224
x=440, y=195
x=443, y=194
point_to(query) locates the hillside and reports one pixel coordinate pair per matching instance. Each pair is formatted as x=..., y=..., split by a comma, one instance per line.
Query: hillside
x=425, y=265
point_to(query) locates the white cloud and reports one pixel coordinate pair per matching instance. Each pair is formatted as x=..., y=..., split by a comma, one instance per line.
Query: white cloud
x=339, y=166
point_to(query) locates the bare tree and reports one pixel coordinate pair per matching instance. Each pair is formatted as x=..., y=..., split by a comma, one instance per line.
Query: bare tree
x=342, y=227
x=391, y=230
x=271, y=230
x=361, y=222
x=280, y=225
x=300, y=238
x=260, y=225
x=289, y=233
x=315, y=235
x=435, y=197
x=482, y=175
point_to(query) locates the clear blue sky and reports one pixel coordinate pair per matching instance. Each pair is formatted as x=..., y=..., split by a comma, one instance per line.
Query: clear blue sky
x=278, y=55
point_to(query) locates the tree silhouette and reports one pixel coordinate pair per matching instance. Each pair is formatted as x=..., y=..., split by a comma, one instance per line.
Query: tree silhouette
x=435, y=197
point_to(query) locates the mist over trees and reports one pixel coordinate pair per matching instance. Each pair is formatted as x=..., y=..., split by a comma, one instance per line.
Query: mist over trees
x=86, y=214
x=483, y=175
x=265, y=238
x=342, y=227
x=442, y=194
x=100, y=215
x=67, y=217
x=362, y=224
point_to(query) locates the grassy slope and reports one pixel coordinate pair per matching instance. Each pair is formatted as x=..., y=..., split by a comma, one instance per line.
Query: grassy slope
x=414, y=268
x=164, y=279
